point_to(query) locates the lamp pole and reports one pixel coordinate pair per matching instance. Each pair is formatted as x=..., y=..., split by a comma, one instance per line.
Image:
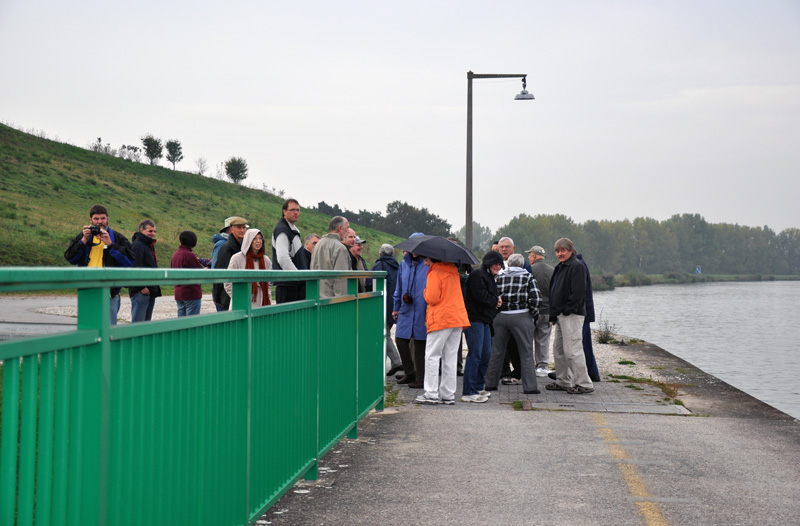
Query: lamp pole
x=524, y=95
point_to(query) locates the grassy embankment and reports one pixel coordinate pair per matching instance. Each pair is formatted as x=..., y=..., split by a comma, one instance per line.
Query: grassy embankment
x=47, y=188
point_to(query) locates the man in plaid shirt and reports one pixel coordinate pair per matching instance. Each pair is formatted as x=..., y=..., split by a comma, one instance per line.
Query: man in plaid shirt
x=518, y=312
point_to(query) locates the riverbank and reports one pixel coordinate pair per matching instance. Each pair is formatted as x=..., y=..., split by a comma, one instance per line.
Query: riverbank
x=605, y=282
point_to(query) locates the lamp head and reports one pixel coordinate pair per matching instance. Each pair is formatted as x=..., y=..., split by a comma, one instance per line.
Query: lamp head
x=524, y=95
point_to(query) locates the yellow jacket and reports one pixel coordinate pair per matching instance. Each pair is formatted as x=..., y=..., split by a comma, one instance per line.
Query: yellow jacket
x=443, y=296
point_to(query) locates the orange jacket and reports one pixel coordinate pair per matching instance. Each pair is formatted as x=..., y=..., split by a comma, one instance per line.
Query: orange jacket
x=443, y=296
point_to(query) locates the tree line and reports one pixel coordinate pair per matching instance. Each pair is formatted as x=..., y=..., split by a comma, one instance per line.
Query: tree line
x=679, y=244
x=401, y=219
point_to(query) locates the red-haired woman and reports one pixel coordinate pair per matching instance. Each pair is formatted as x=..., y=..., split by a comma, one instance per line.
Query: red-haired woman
x=252, y=258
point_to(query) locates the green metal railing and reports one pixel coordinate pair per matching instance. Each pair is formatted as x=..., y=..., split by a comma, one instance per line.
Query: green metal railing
x=204, y=419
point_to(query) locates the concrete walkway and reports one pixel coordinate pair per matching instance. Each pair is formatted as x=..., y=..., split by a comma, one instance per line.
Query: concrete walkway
x=627, y=454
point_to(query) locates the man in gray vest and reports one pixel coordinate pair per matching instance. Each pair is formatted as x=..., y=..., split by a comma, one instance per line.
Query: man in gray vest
x=541, y=331
x=286, y=247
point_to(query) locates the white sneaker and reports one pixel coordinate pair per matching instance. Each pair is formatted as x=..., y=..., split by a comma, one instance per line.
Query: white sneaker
x=487, y=394
x=478, y=399
x=541, y=372
x=422, y=399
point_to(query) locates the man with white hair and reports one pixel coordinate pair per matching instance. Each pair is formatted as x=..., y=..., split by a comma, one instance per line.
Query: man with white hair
x=331, y=254
x=506, y=248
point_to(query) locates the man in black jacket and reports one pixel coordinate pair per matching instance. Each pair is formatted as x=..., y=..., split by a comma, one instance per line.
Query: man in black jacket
x=99, y=246
x=567, y=312
x=143, y=299
x=232, y=246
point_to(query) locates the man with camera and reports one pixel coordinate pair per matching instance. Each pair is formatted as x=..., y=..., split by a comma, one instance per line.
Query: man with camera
x=99, y=246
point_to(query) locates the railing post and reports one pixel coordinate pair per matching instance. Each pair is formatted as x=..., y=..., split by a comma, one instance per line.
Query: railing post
x=89, y=427
x=312, y=293
x=352, y=289
x=381, y=287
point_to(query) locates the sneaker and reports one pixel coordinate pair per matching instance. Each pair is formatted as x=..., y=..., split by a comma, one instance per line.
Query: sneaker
x=422, y=399
x=510, y=381
x=449, y=401
x=541, y=372
x=478, y=399
x=485, y=393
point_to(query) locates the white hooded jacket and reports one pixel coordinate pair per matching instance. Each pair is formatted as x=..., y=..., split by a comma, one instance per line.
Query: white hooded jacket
x=239, y=261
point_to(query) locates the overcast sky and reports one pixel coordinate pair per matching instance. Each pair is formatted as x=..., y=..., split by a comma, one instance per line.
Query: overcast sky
x=643, y=108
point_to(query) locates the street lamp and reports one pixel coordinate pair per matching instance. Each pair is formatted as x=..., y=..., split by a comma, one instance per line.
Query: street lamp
x=523, y=95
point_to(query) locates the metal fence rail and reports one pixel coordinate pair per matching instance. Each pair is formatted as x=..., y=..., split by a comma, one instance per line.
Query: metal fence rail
x=205, y=419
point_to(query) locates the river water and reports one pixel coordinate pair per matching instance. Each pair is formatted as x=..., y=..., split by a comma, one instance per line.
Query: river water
x=747, y=334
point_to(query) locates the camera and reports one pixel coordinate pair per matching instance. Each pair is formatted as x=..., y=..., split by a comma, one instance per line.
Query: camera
x=408, y=298
x=95, y=230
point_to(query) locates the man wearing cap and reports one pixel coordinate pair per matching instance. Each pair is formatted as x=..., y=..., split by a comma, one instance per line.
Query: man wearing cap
x=331, y=254
x=286, y=247
x=364, y=284
x=541, y=332
x=238, y=226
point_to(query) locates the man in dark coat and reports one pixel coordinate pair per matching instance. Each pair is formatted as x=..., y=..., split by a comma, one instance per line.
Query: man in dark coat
x=99, y=246
x=143, y=299
x=232, y=246
x=388, y=263
x=567, y=312
x=588, y=351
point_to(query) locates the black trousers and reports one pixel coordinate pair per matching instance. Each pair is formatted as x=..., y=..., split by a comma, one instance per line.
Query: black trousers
x=287, y=293
x=413, y=362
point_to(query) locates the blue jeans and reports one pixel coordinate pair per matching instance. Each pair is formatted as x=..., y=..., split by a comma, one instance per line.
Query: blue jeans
x=142, y=307
x=479, y=345
x=188, y=307
x=114, y=309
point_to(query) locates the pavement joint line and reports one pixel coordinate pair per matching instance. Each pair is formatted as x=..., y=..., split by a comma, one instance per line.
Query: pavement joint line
x=648, y=507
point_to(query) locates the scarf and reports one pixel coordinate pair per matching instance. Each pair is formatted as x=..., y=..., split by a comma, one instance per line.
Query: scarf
x=250, y=265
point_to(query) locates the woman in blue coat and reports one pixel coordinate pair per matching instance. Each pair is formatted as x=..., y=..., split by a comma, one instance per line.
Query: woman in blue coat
x=409, y=313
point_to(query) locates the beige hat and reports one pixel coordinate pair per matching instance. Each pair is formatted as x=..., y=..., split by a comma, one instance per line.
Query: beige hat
x=237, y=221
x=227, y=225
x=539, y=251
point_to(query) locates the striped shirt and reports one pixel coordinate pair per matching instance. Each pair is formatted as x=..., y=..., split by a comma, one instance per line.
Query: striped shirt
x=518, y=290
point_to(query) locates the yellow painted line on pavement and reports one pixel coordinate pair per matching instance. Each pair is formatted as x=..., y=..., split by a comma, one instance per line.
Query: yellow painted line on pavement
x=651, y=513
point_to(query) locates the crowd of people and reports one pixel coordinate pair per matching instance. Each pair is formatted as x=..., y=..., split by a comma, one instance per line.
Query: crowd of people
x=506, y=308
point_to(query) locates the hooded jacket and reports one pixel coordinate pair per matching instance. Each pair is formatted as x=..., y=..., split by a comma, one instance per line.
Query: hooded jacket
x=226, y=252
x=445, y=301
x=391, y=266
x=411, y=280
x=239, y=262
x=481, y=294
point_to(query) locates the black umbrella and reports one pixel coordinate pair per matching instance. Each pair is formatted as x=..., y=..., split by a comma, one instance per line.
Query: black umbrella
x=438, y=247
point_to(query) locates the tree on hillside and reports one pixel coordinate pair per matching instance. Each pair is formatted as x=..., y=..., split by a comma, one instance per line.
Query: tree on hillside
x=153, y=149
x=174, y=152
x=236, y=169
x=99, y=147
x=130, y=153
x=402, y=220
x=202, y=165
